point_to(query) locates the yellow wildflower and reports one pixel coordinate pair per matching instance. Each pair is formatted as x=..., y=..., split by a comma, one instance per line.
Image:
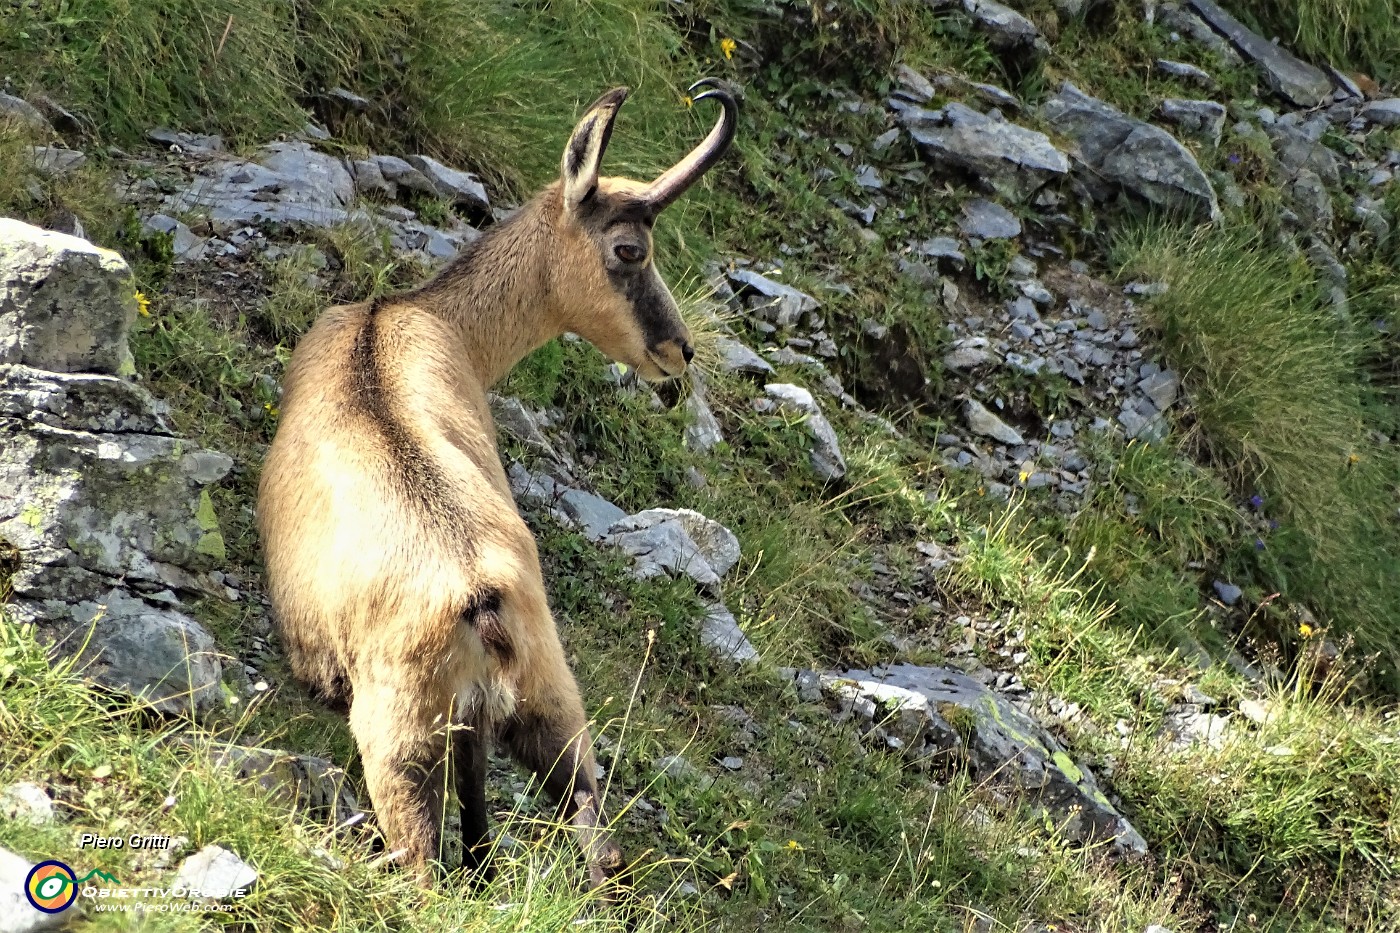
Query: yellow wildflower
x=1305, y=630
x=727, y=46
x=794, y=845
x=689, y=101
x=1025, y=475
x=1353, y=458
x=143, y=305
x=272, y=410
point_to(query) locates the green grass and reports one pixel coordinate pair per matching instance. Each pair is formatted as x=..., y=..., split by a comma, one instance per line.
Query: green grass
x=1281, y=409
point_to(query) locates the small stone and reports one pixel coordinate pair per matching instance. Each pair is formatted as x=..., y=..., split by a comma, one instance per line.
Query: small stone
x=216, y=873
x=825, y=456
x=1161, y=388
x=1255, y=711
x=1185, y=71
x=1229, y=593
x=731, y=762
x=1383, y=112
x=981, y=421
x=987, y=220
x=27, y=802
x=720, y=632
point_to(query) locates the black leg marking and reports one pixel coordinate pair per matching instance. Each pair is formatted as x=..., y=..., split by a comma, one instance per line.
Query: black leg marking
x=469, y=775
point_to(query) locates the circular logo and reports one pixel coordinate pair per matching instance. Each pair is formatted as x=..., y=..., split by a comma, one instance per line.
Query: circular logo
x=51, y=887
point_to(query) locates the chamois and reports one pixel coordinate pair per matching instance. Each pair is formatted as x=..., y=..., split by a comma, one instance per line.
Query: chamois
x=403, y=581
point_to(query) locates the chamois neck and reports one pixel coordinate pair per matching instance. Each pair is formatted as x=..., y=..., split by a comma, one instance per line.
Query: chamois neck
x=496, y=293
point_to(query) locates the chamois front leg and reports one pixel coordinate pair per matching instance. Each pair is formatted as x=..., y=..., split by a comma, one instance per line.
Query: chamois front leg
x=549, y=735
x=403, y=746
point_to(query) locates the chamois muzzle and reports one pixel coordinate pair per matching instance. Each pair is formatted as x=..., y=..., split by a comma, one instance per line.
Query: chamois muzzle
x=675, y=180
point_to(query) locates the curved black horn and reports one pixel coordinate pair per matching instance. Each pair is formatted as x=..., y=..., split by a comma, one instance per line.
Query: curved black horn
x=675, y=180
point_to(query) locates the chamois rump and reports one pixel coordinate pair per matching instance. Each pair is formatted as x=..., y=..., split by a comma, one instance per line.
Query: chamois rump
x=402, y=579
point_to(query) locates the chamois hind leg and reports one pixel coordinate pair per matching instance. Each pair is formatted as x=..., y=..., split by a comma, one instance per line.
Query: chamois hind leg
x=403, y=745
x=549, y=735
x=469, y=775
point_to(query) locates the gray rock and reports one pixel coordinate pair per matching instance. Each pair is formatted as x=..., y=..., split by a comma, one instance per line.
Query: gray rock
x=27, y=802
x=1004, y=746
x=825, y=456
x=350, y=99
x=943, y=248
x=79, y=401
x=916, y=85
x=520, y=422
x=1229, y=593
x=56, y=163
x=1004, y=28
x=312, y=786
x=1161, y=388
x=1383, y=112
x=1185, y=71
x=1119, y=149
x=370, y=180
x=185, y=244
x=1291, y=77
x=987, y=220
x=1312, y=201
x=17, y=915
x=703, y=431
x=662, y=547
x=1204, y=119
x=591, y=513
x=187, y=142
x=44, y=276
x=1299, y=148
x=981, y=421
x=737, y=357
x=716, y=543
x=1181, y=20
x=1186, y=725
x=785, y=305
x=22, y=110
x=293, y=185
x=127, y=645
x=316, y=176
x=120, y=506
x=1011, y=159
x=401, y=174
x=216, y=873
x=720, y=632
x=964, y=358
x=461, y=188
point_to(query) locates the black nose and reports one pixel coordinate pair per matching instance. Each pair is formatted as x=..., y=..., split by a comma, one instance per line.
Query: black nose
x=688, y=352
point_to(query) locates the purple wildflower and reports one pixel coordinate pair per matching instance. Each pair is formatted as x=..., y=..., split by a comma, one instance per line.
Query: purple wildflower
x=1256, y=501
x=1258, y=544
x=1233, y=158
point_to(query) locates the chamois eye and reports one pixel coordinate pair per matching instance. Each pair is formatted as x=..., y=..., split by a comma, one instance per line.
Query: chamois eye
x=628, y=253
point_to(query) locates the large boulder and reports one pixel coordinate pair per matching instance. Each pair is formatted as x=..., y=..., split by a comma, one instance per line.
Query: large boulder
x=1114, y=149
x=107, y=511
x=44, y=277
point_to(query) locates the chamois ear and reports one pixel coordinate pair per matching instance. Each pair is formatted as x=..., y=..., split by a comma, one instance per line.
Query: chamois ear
x=583, y=155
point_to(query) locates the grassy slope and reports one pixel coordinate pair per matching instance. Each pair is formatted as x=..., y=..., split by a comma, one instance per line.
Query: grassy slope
x=856, y=838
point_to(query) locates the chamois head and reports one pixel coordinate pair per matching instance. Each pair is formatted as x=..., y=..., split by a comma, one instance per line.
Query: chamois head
x=616, y=298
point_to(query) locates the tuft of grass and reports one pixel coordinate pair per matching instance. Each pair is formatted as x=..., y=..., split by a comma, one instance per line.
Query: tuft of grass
x=1282, y=412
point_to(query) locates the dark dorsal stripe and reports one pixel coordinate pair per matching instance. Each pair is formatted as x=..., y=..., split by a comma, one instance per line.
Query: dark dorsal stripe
x=416, y=475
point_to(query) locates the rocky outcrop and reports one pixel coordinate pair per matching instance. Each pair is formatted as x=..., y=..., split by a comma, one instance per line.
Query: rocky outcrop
x=16, y=913
x=933, y=711
x=107, y=510
x=1114, y=149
